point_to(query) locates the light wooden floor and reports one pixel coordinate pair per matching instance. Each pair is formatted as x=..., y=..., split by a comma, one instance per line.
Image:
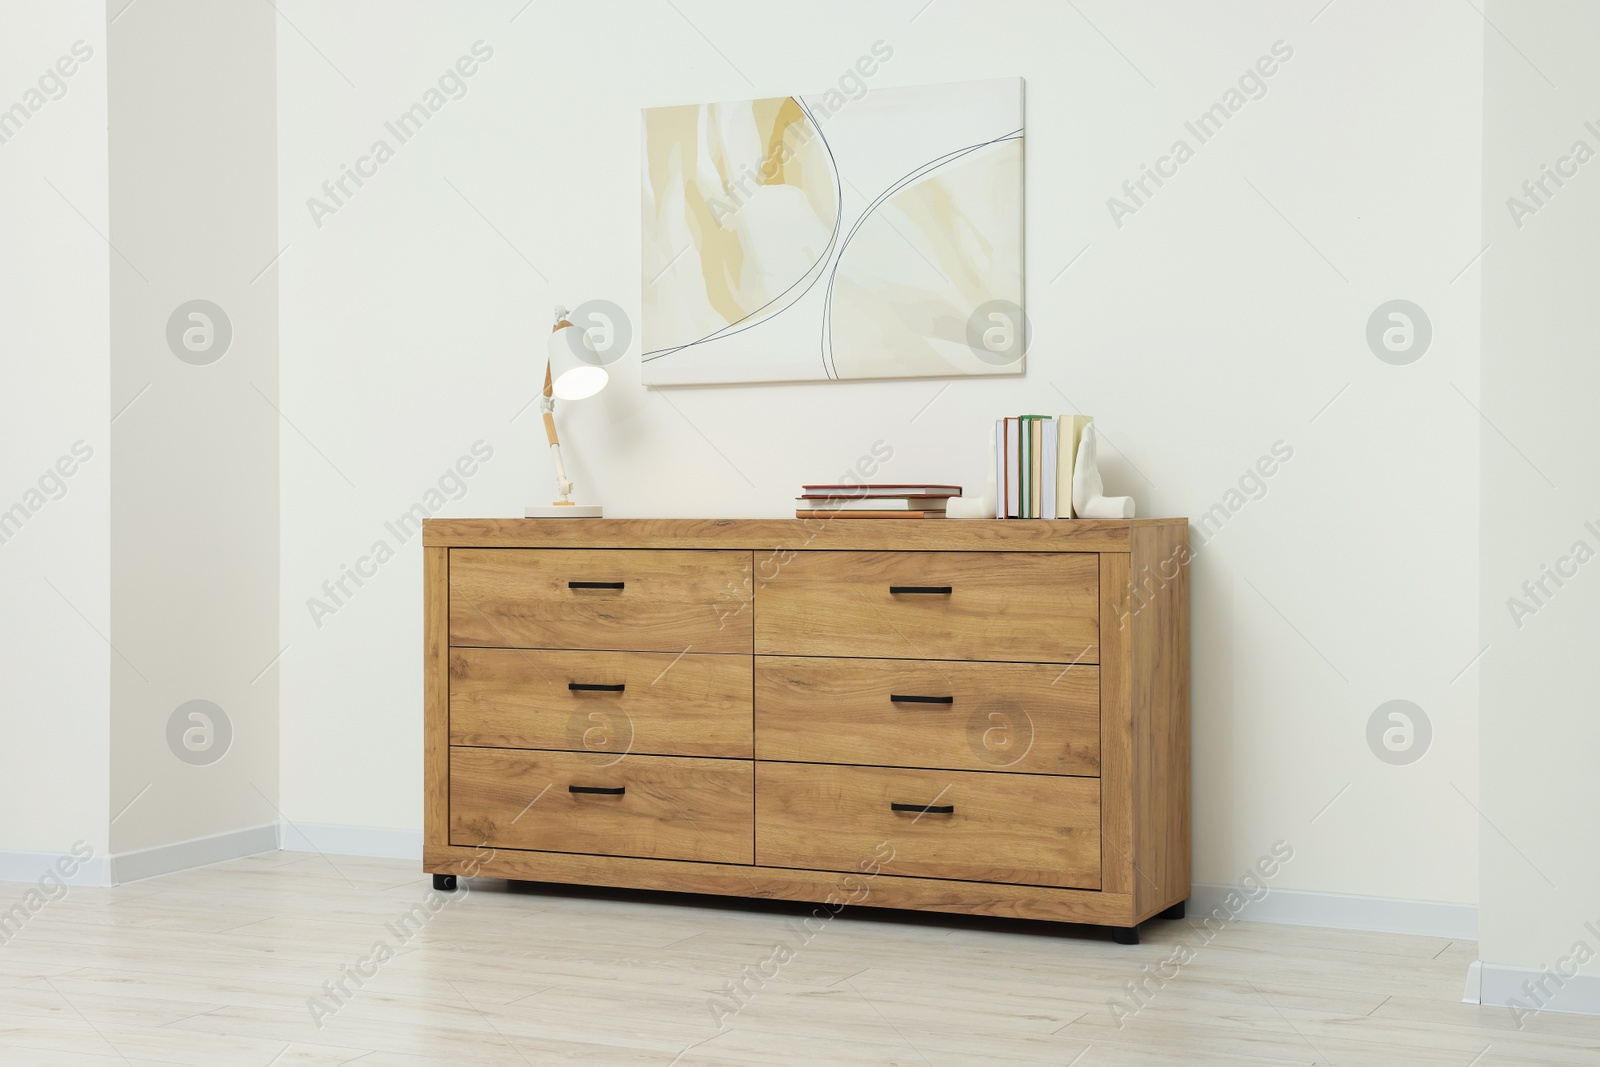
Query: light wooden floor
x=216, y=966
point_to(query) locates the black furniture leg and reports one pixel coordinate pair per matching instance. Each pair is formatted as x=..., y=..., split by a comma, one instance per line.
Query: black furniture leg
x=444, y=883
x=1125, y=935
x=1174, y=912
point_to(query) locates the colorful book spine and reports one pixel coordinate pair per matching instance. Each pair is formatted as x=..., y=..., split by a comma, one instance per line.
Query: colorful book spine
x=1028, y=464
x=1034, y=457
x=1052, y=503
x=1024, y=461
x=1000, y=468
x=1013, y=456
x=1036, y=468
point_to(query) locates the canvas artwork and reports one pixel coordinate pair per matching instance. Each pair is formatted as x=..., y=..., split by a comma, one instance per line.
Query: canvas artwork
x=821, y=237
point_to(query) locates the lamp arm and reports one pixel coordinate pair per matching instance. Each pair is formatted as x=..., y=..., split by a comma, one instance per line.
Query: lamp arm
x=547, y=404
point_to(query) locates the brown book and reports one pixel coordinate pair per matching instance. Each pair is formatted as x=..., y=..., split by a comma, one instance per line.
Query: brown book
x=881, y=489
x=832, y=513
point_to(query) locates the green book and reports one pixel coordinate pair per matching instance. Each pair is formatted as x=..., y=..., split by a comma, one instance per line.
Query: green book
x=1024, y=439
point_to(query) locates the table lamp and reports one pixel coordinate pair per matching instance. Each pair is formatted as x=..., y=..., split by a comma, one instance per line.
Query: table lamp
x=572, y=371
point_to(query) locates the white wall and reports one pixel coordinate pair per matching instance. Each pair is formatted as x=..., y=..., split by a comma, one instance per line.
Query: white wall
x=1541, y=875
x=195, y=501
x=55, y=571
x=139, y=501
x=1222, y=317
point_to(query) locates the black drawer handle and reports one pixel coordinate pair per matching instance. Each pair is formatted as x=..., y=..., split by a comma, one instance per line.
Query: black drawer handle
x=933, y=590
x=591, y=687
x=925, y=809
x=594, y=585
x=600, y=790
x=901, y=698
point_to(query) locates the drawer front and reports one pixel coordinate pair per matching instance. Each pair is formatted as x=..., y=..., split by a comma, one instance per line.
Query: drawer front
x=615, y=599
x=608, y=704
x=668, y=808
x=1017, y=828
x=1018, y=606
x=1019, y=717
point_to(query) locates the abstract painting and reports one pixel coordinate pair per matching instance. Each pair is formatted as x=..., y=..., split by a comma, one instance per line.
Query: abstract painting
x=825, y=237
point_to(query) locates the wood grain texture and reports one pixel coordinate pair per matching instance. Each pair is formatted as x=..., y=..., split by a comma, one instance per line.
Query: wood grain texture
x=435, y=697
x=1159, y=670
x=1149, y=856
x=1011, y=828
x=1018, y=717
x=673, y=807
x=1029, y=607
x=214, y=966
x=670, y=705
x=669, y=601
x=887, y=890
x=769, y=535
x=1177, y=693
x=1078, y=630
x=1116, y=726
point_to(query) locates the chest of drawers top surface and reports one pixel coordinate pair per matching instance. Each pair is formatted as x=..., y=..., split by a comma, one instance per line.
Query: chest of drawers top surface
x=867, y=535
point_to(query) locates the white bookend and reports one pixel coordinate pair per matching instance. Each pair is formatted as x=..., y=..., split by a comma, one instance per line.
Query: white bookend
x=1069, y=433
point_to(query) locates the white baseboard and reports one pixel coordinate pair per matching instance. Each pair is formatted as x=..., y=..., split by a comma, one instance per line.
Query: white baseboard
x=341, y=840
x=32, y=866
x=1501, y=986
x=179, y=856
x=142, y=863
x=1297, y=907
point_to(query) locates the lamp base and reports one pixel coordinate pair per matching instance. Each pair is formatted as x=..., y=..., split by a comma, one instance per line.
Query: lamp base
x=568, y=511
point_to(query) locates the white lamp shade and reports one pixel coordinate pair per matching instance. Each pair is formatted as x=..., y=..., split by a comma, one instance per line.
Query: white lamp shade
x=575, y=370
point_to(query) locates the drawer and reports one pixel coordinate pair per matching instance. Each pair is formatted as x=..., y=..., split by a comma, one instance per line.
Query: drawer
x=1019, y=828
x=1027, y=717
x=631, y=601
x=608, y=704
x=657, y=807
x=1020, y=606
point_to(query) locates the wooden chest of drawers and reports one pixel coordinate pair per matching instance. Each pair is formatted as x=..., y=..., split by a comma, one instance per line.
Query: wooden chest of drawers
x=981, y=717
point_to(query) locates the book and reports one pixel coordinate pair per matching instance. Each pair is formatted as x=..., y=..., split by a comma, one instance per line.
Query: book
x=1050, y=448
x=1013, y=483
x=881, y=489
x=811, y=513
x=1000, y=468
x=1036, y=467
x=1070, y=432
x=881, y=503
x=1024, y=439
x=1029, y=466
x=1033, y=457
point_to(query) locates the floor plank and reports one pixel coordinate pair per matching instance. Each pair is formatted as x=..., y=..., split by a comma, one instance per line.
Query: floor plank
x=303, y=960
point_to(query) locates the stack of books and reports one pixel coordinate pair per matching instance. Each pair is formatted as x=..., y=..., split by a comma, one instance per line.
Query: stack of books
x=874, y=501
x=1034, y=456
